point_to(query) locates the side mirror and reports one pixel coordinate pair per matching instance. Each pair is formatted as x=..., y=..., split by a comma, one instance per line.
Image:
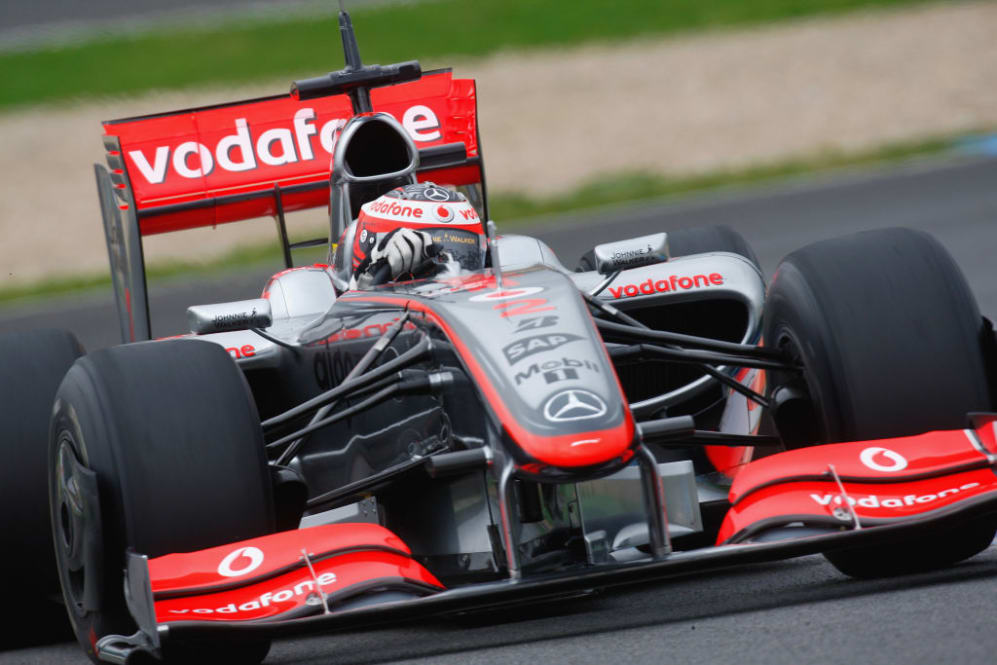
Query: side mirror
x=227, y=316
x=631, y=253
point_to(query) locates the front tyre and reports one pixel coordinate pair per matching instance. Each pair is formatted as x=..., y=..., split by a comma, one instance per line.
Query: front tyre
x=892, y=344
x=156, y=447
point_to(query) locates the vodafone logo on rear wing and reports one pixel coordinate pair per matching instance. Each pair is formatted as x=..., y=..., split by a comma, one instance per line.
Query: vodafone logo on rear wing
x=248, y=148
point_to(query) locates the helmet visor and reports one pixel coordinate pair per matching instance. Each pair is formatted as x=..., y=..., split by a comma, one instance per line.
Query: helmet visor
x=465, y=247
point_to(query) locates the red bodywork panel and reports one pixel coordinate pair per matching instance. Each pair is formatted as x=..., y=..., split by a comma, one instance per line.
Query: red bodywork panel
x=268, y=577
x=179, y=162
x=884, y=480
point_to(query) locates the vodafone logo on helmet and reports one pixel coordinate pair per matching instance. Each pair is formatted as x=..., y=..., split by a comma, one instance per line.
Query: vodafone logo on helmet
x=248, y=148
x=883, y=459
x=241, y=562
x=443, y=213
x=418, y=212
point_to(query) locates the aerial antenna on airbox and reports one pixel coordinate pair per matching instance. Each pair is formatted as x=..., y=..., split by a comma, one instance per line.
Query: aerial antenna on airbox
x=360, y=96
x=354, y=80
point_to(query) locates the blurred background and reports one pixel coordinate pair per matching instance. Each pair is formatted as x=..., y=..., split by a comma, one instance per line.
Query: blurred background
x=583, y=104
x=787, y=120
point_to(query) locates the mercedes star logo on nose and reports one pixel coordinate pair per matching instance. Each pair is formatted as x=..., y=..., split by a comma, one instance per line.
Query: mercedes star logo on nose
x=436, y=194
x=573, y=404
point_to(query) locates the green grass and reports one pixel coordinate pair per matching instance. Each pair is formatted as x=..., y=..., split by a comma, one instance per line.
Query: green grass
x=512, y=211
x=430, y=31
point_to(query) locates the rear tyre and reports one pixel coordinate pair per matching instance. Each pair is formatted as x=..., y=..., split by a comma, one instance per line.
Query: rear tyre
x=32, y=365
x=892, y=343
x=701, y=240
x=155, y=447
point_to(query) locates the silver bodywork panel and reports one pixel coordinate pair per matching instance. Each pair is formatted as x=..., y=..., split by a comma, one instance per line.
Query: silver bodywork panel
x=226, y=316
x=631, y=253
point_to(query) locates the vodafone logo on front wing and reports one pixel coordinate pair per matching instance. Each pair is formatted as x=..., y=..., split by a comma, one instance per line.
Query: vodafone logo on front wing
x=241, y=562
x=894, y=501
x=883, y=459
x=248, y=148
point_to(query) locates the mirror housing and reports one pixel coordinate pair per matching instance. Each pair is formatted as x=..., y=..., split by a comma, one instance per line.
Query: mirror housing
x=631, y=253
x=228, y=316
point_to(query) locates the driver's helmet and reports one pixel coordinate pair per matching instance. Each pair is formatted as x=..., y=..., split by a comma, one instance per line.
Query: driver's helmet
x=446, y=215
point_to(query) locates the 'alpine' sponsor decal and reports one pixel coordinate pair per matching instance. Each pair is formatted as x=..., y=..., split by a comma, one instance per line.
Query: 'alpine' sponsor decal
x=527, y=346
x=673, y=283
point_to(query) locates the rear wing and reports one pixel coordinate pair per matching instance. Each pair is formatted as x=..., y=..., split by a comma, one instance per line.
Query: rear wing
x=262, y=157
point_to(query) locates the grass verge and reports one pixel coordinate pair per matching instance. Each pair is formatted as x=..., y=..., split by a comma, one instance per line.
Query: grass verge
x=517, y=210
x=299, y=46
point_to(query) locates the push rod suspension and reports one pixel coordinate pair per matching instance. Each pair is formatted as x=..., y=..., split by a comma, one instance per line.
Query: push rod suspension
x=407, y=358
x=739, y=350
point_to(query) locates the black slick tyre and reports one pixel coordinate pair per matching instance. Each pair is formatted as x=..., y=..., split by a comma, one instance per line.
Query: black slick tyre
x=700, y=240
x=32, y=365
x=892, y=344
x=154, y=447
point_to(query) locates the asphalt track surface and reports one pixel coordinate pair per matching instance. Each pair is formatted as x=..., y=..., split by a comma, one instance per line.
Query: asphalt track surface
x=799, y=611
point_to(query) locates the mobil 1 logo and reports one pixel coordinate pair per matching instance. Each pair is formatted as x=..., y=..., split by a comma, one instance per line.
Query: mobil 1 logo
x=553, y=371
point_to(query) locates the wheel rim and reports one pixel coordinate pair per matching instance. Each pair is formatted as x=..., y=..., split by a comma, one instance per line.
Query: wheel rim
x=69, y=515
x=797, y=419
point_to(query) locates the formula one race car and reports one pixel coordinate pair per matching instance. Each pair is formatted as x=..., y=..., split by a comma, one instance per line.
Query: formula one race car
x=324, y=458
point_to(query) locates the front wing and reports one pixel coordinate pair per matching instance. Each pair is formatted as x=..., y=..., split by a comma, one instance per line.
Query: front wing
x=301, y=581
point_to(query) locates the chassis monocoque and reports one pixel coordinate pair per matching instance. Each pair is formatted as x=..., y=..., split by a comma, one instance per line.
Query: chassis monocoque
x=321, y=458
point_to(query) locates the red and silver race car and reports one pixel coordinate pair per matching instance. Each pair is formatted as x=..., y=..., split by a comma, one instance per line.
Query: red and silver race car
x=322, y=458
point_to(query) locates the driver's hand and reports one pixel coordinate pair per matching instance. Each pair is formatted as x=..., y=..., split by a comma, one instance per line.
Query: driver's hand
x=399, y=252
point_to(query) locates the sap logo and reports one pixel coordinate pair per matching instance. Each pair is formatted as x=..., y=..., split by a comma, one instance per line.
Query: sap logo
x=535, y=344
x=556, y=370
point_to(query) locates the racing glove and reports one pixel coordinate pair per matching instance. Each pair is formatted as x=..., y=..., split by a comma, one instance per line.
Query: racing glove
x=399, y=252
